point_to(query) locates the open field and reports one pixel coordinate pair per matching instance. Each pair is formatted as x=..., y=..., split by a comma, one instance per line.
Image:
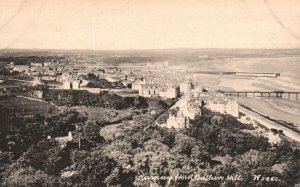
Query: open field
x=105, y=114
x=14, y=83
x=109, y=132
x=23, y=107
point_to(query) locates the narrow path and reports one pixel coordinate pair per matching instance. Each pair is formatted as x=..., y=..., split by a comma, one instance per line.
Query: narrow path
x=270, y=124
x=19, y=80
x=38, y=100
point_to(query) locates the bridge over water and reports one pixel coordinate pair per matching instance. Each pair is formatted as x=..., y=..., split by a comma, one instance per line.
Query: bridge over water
x=290, y=95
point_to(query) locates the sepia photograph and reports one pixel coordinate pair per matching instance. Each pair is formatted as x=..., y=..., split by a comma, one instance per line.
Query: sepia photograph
x=149, y=93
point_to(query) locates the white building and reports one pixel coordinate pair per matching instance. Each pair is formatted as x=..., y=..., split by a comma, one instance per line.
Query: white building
x=47, y=64
x=71, y=84
x=21, y=68
x=224, y=106
x=38, y=94
x=177, y=121
x=186, y=87
x=149, y=90
x=36, y=64
x=136, y=85
x=187, y=110
x=216, y=105
x=170, y=93
x=67, y=85
x=232, y=107
x=36, y=81
x=192, y=110
x=76, y=84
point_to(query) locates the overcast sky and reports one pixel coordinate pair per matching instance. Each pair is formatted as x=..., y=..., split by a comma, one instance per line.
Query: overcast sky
x=149, y=24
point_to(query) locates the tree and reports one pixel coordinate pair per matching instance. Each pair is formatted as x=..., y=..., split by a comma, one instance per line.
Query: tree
x=47, y=156
x=184, y=144
x=28, y=177
x=6, y=158
x=162, y=105
x=199, y=154
x=91, y=76
x=155, y=146
x=291, y=172
x=92, y=170
x=140, y=102
x=91, y=131
x=254, y=163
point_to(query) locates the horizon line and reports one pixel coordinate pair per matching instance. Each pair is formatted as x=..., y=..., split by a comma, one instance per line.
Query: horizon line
x=142, y=49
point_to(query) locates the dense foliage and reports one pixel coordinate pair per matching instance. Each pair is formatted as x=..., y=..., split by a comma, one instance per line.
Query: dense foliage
x=124, y=59
x=4, y=71
x=96, y=82
x=103, y=83
x=85, y=98
x=136, y=149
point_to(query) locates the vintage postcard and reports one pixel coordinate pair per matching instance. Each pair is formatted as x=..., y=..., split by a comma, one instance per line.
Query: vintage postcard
x=149, y=93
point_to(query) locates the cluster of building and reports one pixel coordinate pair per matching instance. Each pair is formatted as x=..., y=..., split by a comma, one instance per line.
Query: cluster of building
x=163, y=91
x=54, y=70
x=190, y=104
x=158, y=64
x=73, y=83
x=45, y=71
x=189, y=110
x=70, y=75
x=162, y=82
x=155, y=90
x=218, y=102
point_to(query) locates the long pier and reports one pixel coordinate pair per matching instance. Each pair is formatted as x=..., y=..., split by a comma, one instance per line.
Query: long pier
x=247, y=74
x=290, y=95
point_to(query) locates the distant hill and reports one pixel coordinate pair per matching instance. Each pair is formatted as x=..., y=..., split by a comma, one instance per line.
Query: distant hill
x=210, y=52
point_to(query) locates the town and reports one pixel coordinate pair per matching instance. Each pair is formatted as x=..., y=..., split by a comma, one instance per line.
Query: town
x=153, y=80
x=140, y=80
x=125, y=109
x=65, y=76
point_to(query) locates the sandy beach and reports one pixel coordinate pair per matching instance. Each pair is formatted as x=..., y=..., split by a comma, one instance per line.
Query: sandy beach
x=277, y=109
x=289, y=79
